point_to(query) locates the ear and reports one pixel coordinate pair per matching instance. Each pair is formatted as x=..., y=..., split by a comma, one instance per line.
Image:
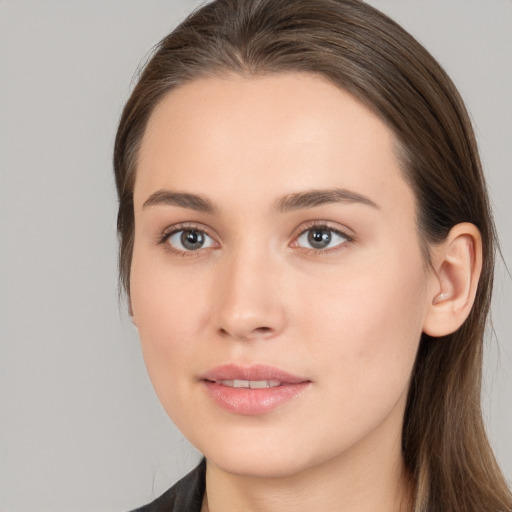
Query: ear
x=457, y=263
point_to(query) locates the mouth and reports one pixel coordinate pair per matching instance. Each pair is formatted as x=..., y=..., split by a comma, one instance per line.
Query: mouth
x=252, y=390
x=250, y=384
x=234, y=375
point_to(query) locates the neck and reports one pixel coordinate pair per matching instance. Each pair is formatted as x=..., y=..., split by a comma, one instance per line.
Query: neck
x=370, y=477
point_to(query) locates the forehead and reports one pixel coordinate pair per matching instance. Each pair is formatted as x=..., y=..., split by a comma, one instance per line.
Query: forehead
x=242, y=136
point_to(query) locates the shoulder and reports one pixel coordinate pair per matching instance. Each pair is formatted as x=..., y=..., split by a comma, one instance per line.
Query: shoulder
x=186, y=495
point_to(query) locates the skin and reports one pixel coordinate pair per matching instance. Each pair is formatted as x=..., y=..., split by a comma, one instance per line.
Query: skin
x=348, y=317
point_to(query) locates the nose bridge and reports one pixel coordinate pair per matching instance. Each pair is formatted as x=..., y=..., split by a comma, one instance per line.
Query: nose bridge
x=249, y=304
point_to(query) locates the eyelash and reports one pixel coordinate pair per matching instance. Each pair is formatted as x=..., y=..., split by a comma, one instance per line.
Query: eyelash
x=325, y=226
x=315, y=225
x=163, y=240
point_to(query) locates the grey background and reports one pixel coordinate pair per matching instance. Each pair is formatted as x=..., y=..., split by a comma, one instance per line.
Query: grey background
x=80, y=427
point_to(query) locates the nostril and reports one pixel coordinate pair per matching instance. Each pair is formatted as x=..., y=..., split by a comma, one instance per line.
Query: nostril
x=253, y=333
x=263, y=330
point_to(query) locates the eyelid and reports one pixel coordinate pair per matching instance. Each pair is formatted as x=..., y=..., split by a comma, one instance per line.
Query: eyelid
x=327, y=225
x=303, y=228
x=164, y=236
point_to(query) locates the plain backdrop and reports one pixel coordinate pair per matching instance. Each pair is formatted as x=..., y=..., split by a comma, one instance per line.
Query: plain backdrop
x=80, y=427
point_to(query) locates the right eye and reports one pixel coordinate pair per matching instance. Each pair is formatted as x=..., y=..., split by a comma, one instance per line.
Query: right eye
x=321, y=238
x=187, y=240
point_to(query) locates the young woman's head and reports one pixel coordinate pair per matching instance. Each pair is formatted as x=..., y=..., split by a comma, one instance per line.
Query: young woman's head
x=302, y=204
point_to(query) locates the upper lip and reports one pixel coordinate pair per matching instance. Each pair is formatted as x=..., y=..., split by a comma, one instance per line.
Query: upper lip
x=252, y=373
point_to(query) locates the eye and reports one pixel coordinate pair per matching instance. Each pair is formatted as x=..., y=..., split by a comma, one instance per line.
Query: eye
x=186, y=240
x=321, y=238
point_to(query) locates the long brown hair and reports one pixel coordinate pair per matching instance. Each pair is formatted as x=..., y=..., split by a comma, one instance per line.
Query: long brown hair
x=359, y=49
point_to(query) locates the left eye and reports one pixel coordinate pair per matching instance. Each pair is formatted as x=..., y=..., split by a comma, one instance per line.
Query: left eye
x=321, y=238
x=189, y=240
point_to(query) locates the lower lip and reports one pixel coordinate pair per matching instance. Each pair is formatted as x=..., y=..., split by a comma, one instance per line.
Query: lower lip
x=251, y=402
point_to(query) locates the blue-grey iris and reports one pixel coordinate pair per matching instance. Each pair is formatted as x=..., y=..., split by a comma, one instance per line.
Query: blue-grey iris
x=319, y=238
x=192, y=239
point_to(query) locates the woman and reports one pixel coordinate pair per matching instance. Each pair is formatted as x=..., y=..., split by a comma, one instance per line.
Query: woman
x=307, y=248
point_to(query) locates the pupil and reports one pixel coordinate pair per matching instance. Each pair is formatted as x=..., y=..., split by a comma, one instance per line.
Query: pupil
x=319, y=238
x=192, y=239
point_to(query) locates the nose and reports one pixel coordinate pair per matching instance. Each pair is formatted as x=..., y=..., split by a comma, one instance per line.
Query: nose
x=250, y=305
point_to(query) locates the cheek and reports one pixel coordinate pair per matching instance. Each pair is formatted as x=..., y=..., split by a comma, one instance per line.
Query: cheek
x=370, y=324
x=169, y=311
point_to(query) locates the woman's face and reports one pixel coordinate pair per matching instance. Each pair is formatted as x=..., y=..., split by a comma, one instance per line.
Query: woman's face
x=276, y=249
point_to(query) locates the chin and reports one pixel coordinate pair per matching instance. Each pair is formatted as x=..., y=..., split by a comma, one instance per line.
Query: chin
x=260, y=460
x=258, y=466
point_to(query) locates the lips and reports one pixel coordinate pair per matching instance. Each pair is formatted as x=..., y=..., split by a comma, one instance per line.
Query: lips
x=252, y=390
x=252, y=384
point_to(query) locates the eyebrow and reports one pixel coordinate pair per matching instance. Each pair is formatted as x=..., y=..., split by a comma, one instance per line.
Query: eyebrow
x=313, y=198
x=290, y=202
x=183, y=199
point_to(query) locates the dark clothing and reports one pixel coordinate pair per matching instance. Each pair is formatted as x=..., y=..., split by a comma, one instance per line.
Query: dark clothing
x=186, y=495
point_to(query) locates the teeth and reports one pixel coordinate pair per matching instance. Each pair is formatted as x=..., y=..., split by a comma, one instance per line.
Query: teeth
x=257, y=384
x=253, y=384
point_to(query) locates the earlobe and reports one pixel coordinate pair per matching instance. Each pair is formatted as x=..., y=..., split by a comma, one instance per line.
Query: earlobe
x=457, y=263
